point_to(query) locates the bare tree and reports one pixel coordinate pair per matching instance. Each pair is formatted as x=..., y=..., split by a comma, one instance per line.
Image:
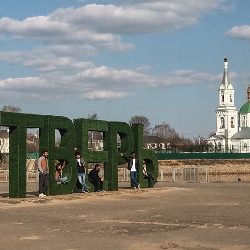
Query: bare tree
x=144, y=121
x=170, y=135
x=164, y=131
x=9, y=108
x=186, y=141
x=93, y=117
x=32, y=143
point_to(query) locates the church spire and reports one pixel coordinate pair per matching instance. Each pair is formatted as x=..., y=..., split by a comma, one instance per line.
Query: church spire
x=225, y=79
x=226, y=90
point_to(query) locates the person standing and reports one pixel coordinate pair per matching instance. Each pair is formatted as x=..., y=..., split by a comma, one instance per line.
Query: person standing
x=43, y=169
x=81, y=172
x=133, y=166
x=95, y=179
x=148, y=176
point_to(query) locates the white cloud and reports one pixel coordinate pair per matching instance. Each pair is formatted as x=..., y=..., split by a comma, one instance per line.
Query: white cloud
x=96, y=83
x=143, y=69
x=99, y=24
x=12, y=57
x=67, y=37
x=23, y=83
x=51, y=58
x=83, y=31
x=138, y=16
x=227, y=7
x=74, y=50
x=188, y=77
x=53, y=64
x=241, y=32
x=104, y=94
x=53, y=31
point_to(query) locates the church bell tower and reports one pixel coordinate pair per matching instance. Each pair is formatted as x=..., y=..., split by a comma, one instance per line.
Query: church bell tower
x=226, y=113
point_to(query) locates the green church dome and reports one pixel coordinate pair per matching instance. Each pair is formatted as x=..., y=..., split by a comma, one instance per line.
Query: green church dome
x=245, y=108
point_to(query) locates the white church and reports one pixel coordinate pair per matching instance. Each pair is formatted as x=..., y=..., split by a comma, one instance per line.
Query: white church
x=232, y=126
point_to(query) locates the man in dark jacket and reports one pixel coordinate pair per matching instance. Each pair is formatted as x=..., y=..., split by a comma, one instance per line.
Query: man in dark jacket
x=133, y=166
x=95, y=179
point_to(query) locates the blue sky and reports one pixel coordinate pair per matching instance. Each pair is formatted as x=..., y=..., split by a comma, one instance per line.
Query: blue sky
x=162, y=59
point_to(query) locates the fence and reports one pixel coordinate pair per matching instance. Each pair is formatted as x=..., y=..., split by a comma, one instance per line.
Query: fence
x=202, y=149
x=191, y=174
x=31, y=176
x=4, y=175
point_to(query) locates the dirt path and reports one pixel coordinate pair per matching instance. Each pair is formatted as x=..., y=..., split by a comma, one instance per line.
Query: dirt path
x=175, y=216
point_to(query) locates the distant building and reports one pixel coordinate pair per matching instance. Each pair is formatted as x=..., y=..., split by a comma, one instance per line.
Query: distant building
x=95, y=141
x=232, y=126
x=154, y=142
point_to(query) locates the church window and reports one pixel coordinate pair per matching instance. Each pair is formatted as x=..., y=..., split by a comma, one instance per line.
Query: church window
x=244, y=121
x=222, y=122
x=222, y=97
x=231, y=99
x=232, y=122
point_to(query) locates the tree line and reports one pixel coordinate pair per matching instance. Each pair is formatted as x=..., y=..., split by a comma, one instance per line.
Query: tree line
x=163, y=131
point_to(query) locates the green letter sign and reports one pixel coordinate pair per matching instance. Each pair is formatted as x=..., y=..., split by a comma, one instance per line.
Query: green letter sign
x=73, y=134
